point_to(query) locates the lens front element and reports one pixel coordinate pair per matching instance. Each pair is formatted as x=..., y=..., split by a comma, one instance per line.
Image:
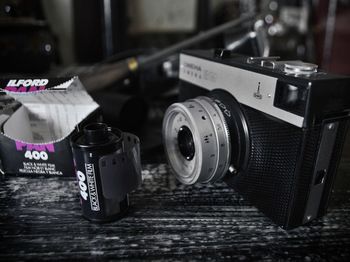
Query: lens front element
x=185, y=142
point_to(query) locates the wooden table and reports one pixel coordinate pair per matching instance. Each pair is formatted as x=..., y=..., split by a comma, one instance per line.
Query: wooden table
x=40, y=218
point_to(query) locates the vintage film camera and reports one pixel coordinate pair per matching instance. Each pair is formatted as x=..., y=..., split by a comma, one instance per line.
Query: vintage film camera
x=273, y=130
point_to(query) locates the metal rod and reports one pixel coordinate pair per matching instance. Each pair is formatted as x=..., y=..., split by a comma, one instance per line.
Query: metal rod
x=329, y=35
x=146, y=61
x=107, y=28
x=104, y=75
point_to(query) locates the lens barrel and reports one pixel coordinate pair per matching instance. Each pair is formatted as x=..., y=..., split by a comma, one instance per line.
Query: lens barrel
x=196, y=140
x=206, y=137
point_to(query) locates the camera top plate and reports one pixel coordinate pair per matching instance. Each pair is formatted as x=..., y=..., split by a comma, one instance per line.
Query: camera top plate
x=294, y=91
x=273, y=66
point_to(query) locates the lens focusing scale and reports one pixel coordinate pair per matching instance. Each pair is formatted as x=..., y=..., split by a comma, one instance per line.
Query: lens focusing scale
x=196, y=140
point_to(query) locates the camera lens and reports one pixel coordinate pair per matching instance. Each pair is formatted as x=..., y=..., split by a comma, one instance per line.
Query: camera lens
x=196, y=140
x=185, y=141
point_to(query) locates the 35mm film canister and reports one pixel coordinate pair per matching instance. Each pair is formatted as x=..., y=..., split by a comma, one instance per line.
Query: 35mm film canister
x=108, y=167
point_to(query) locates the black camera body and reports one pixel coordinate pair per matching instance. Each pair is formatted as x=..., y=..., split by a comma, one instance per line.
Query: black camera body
x=286, y=124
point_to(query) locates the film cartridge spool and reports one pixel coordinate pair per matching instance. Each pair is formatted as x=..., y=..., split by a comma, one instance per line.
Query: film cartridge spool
x=108, y=167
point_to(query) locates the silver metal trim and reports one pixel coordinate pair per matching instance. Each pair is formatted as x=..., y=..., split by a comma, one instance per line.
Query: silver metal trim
x=242, y=84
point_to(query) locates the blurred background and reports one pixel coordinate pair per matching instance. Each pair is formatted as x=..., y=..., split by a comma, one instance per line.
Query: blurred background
x=72, y=37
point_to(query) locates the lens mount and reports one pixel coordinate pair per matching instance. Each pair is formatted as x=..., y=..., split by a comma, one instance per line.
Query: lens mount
x=197, y=141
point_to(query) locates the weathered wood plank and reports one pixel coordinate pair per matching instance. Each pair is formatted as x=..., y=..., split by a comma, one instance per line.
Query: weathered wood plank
x=41, y=219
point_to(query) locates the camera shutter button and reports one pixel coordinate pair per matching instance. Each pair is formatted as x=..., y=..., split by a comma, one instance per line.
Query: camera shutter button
x=299, y=68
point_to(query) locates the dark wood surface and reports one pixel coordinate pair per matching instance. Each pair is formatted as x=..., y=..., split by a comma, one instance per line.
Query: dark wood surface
x=40, y=219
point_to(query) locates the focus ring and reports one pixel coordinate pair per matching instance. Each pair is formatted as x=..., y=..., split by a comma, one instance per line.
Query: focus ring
x=222, y=136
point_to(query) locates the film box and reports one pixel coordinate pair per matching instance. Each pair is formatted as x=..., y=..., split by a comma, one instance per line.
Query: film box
x=37, y=119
